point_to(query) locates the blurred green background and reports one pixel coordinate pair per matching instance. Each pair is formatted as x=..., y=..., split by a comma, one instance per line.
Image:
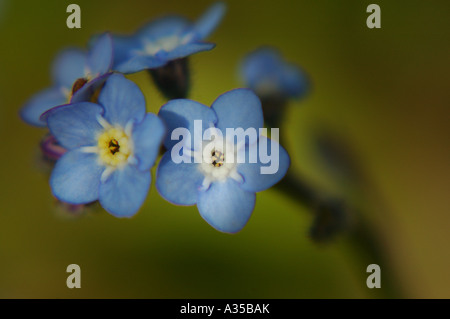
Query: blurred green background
x=383, y=92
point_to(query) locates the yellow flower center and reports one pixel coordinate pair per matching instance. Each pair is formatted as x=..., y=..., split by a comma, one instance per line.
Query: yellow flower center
x=114, y=147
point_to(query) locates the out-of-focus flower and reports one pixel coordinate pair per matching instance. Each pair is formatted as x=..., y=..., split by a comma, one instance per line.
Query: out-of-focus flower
x=165, y=39
x=274, y=80
x=163, y=46
x=267, y=73
x=214, y=176
x=76, y=75
x=110, y=148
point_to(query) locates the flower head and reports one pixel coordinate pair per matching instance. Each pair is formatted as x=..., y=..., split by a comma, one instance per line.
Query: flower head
x=267, y=73
x=76, y=75
x=221, y=172
x=110, y=148
x=165, y=39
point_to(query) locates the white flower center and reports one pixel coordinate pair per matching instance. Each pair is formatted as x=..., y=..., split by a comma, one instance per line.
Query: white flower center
x=218, y=161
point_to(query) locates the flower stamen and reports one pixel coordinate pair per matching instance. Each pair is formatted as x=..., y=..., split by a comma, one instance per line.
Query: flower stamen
x=114, y=146
x=217, y=158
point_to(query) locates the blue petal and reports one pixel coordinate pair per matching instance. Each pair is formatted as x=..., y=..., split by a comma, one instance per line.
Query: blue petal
x=100, y=57
x=40, y=103
x=182, y=113
x=265, y=62
x=147, y=138
x=75, y=125
x=123, y=101
x=69, y=66
x=124, y=192
x=295, y=81
x=123, y=46
x=163, y=27
x=238, y=108
x=188, y=49
x=265, y=71
x=254, y=180
x=76, y=177
x=225, y=206
x=139, y=63
x=208, y=22
x=178, y=183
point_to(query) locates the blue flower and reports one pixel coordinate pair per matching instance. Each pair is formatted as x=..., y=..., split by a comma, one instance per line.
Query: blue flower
x=76, y=75
x=267, y=73
x=218, y=176
x=165, y=39
x=110, y=148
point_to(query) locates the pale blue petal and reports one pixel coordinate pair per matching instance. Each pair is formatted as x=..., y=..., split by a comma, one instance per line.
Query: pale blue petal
x=75, y=125
x=182, y=113
x=254, y=180
x=225, y=206
x=123, y=48
x=40, y=103
x=188, y=49
x=163, y=27
x=147, y=138
x=123, y=101
x=178, y=183
x=208, y=22
x=76, y=177
x=69, y=66
x=100, y=57
x=238, y=108
x=295, y=81
x=124, y=192
x=139, y=63
x=264, y=64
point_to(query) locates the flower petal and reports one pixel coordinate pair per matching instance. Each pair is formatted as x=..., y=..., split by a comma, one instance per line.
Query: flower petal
x=178, y=183
x=208, y=22
x=188, y=49
x=147, y=138
x=225, y=206
x=182, y=113
x=100, y=57
x=295, y=81
x=123, y=46
x=69, y=66
x=163, y=27
x=124, y=192
x=123, y=101
x=254, y=180
x=139, y=63
x=263, y=64
x=40, y=103
x=238, y=108
x=75, y=125
x=76, y=177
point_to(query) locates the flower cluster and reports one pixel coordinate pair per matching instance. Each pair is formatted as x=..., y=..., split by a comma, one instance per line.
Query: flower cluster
x=103, y=143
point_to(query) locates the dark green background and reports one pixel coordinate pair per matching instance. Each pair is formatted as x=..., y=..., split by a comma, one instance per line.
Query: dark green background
x=385, y=92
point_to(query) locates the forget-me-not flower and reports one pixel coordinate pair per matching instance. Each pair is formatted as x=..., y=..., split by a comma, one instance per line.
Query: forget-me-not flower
x=76, y=74
x=267, y=73
x=165, y=39
x=222, y=187
x=111, y=147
